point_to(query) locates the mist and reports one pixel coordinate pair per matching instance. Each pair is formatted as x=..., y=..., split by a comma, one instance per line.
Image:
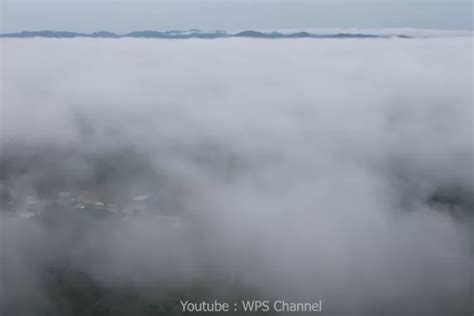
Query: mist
x=339, y=170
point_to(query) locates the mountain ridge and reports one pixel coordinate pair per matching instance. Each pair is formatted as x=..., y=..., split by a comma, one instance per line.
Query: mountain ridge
x=193, y=33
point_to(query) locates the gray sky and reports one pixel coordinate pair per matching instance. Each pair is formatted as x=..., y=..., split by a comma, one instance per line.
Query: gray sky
x=127, y=15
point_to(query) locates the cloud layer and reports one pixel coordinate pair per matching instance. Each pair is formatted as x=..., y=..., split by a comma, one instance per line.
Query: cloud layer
x=310, y=169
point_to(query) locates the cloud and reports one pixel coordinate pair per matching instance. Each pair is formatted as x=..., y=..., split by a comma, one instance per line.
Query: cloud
x=304, y=168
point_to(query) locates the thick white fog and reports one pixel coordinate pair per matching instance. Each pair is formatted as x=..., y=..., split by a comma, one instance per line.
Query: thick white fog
x=339, y=170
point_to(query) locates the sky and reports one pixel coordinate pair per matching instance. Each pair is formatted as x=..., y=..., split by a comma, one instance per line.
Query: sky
x=126, y=15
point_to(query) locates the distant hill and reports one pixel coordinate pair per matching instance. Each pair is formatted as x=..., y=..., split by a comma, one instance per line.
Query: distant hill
x=54, y=34
x=104, y=34
x=193, y=33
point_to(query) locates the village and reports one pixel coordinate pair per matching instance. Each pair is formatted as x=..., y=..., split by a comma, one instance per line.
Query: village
x=29, y=207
